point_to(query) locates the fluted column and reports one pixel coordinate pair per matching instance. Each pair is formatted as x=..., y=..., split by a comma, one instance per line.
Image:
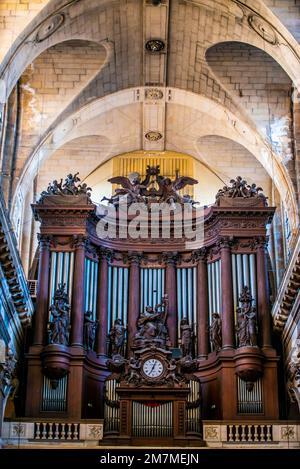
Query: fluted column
x=42, y=305
x=227, y=295
x=264, y=319
x=170, y=260
x=202, y=305
x=102, y=301
x=134, y=296
x=77, y=309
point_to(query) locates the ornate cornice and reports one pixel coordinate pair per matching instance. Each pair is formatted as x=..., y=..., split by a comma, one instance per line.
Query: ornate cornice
x=288, y=290
x=11, y=265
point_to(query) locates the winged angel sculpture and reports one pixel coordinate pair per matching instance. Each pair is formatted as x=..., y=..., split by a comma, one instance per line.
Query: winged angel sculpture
x=154, y=188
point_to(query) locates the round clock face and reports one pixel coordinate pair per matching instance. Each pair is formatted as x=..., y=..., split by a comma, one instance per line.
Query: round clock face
x=153, y=368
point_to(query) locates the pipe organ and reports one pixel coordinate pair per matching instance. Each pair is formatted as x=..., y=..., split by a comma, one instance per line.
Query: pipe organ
x=103, y=292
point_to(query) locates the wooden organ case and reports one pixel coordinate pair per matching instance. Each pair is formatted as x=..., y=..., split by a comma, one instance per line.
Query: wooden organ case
x=209, y=336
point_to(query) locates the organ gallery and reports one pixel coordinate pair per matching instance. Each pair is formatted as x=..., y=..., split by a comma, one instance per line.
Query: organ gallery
x=150, y=334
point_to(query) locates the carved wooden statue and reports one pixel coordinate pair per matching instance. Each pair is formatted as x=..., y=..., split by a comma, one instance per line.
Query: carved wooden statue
x=246, y=318
x=69, y=187
x=240, y=189
x=154, y=188
x=215, y=332
x=133, y=374
x=59, y=326
x=89, y=331
x=186, y=337
x=116, y=338
x=152, y=326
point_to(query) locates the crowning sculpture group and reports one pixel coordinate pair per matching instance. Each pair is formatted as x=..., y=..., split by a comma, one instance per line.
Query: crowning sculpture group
x=153, y=188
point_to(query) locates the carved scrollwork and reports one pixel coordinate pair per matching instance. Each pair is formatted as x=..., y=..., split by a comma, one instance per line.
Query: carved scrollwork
x=263, y=28
x=155, y=45
x=170, y=258
x=225, y=242
x=134, y=257
x=153, y=136
x=153, y=94
x=49, y=27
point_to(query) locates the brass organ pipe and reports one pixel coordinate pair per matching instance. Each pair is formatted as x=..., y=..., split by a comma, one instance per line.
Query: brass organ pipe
x=217, y=277
x=209, y=269
x=213, y=287
x=120, y=293
x=234, y=283
x=195, y=301
x=246, y=276
x=109, y=302
x=253, y=277
x=189, y=294
x=142, y=289
x=239, y=273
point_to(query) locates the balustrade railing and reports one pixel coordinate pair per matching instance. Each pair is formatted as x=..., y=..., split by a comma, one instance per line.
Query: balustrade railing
x=249, y=433
x=56, y=431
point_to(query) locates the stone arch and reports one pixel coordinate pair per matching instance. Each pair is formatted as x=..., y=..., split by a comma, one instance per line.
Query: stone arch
x=191, y=112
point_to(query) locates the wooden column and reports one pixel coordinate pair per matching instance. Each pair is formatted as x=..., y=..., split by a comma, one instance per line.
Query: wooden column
x=77, y=307
x=202, y=306
x=102, y=302
x=134, y=296
x=42, y=305
x=264, y=319
x=227, y=295
x=170, y=260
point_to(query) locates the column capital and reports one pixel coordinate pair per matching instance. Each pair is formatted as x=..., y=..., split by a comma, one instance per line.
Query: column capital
x=171, y=258
x=106, y=254
x=44, y=241
x=79, y=241
x=200, y=255
x=261, y=242
x=225, y=242
x=134, y=258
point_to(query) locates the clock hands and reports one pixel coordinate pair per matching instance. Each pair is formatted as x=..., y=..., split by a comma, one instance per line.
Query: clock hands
x=153, y=366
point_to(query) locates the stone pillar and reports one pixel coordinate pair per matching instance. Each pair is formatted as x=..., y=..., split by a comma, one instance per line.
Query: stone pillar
x=102, y=302
x=134, y=296
x=264, y=319
x=77, y=307
x=42, y=305
x=227, y=295
x=202, y=305
x=170, y=280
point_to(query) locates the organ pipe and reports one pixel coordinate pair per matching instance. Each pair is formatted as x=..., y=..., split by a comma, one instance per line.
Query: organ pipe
x=54, y=399
x=152, y=287
x=118, y=288
x=214, y=288
x=187, y=296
